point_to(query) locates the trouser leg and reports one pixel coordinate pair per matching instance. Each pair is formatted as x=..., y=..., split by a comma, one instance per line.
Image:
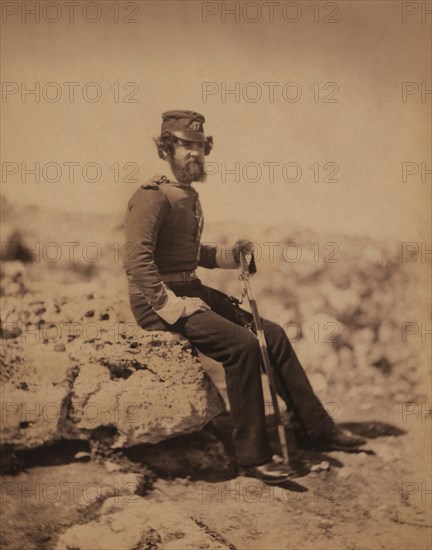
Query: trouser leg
x=293, y=384
x=291, y=381
x=237, y=349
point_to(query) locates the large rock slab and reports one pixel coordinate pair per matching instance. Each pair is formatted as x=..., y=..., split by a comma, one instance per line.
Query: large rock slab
x=73, y=367
x=148, y=387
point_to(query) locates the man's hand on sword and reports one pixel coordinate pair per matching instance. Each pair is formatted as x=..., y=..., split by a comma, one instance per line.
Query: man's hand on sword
x=243, y=246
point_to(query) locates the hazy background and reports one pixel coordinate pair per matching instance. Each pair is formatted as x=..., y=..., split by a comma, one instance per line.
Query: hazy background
x=170, y=52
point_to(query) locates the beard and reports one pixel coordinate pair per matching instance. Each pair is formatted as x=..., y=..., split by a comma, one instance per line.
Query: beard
x=193, y=170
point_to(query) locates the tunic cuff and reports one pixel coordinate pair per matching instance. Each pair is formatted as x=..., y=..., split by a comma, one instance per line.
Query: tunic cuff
x=225, y=258
x=173, y=308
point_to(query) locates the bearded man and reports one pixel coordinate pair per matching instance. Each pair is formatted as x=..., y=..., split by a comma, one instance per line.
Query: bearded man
x=164, y=224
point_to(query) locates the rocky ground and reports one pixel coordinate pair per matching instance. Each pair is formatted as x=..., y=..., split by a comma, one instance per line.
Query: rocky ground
x=105, y=447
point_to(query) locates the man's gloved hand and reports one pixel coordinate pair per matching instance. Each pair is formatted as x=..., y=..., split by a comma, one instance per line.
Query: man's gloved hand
x=228, y=256
x=243, y=246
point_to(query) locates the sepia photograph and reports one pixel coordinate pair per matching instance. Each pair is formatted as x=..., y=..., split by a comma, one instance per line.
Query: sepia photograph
x=215, y=275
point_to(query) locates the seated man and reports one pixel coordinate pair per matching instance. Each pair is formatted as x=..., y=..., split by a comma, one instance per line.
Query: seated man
x=164, y=222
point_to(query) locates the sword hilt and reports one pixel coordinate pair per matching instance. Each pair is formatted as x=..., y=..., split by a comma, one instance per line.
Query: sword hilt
x=247, y=262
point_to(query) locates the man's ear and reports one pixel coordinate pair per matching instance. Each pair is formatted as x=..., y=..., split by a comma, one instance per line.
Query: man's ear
x=208, y=145
x=162, y=153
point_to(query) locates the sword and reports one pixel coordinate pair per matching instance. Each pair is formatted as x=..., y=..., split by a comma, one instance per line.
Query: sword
x=290, y=456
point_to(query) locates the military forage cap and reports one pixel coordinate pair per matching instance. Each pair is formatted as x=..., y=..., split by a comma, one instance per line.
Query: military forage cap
x=187, y=125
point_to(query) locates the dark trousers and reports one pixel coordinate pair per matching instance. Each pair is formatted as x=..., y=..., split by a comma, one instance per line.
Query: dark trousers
x=219, y=334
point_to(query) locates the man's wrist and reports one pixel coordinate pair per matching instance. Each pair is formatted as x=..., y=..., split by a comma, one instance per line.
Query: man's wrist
x=173, y=308
x=226, y=257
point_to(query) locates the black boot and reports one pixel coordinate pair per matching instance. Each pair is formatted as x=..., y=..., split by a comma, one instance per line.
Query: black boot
x=338, y=439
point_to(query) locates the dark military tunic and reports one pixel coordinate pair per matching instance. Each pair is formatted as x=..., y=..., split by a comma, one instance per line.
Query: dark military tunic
x=164, y=224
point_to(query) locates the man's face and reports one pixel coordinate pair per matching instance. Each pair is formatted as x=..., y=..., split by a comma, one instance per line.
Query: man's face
x=187, y=162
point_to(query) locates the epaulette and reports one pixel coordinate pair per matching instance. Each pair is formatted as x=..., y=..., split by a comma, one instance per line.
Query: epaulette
x=150, y=185
x=160, y=179
x=155, y=182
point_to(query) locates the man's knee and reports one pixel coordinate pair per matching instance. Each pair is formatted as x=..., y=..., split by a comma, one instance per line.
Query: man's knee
x=240, y=341
x=277, y=340
x=273, y=332
x=249, y=344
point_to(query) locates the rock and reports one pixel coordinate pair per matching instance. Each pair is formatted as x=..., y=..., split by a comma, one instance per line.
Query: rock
x=325, y=524
x=154, y=525
x=378, y=391
x=9, y=330
x=385, y=451
x=122, y=486
x=60, y=347
x=323, y=466
x=341, y=303
x=112, y=466
x=382, y=364
x=82, y=456
x=320, y=334
x=12, y=278
x=148, y=390
x=203, y=454
x=360, y=458
x=36, y=388
x=362, y=344
x=95, y=309
x=346, y=358
x=388, y=331
x=277, y=458
x=139, y=387
x=14, y=247
x=59, y=320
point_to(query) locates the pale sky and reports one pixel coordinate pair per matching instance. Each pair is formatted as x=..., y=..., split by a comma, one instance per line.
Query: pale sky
x=170, y=55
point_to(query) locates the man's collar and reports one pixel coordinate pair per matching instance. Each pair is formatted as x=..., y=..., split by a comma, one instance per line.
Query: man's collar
x=179, y=184
x=163, y=179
